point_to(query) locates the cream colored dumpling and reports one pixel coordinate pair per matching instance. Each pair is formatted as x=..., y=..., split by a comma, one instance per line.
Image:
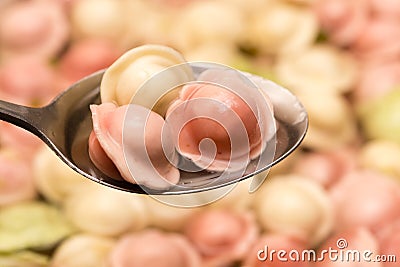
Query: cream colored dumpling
x=103, y=19
x=237, y=198
x=295, y=206
x=170, y=213
x=127, y=74
x=203, y=22
x=388, y=160
x=54, y=179
x=327, y=129
x=282, y=28
x=96, y=250
x=106, y=212
x=321, y=68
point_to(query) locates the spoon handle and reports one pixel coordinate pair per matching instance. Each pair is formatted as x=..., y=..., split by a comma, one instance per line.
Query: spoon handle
x=25, y=117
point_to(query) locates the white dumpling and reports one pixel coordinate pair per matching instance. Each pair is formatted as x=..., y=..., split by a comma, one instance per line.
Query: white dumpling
x=122, y=80
x=96, y=247
x=106, y=212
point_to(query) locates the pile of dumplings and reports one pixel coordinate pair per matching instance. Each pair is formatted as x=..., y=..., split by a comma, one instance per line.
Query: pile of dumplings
x=341, y=58
x=154, y=108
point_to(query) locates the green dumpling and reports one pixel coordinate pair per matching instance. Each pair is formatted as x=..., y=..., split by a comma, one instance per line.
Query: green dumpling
x=31, y=225
x=24, y=259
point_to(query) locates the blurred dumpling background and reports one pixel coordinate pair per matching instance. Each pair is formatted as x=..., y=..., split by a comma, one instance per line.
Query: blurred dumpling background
x=340, y=57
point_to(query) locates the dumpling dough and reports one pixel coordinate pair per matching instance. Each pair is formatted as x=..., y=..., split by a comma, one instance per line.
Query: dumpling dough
x=127, y=74
x=131, y=136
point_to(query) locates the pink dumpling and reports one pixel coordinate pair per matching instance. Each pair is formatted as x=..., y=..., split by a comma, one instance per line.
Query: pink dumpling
x=261, y=255
x=154, y=248
x=390, y=241
x=343, y=20
x=16, y=179
x=222, y=236
x=215, y=127
x=85, y=57
x=326, y=168
x=376, y=80
x=386, y=8
x=27, y=81
x=38, y=28
x=139, y=157
x=100, y=158
x=365, y=199
x=379, y=41
x=354, y=239
x=19, y=139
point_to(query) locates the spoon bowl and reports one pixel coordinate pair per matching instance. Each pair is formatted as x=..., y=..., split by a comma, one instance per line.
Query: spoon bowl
x=65, y=125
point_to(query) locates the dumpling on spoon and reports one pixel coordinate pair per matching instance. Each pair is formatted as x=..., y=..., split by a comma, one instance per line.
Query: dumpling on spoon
x=126, y=141
x=125, y=77
x=222, y=121
x=130, y=137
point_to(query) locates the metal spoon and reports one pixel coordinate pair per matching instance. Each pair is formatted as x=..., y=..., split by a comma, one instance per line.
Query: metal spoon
x=65, y=124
